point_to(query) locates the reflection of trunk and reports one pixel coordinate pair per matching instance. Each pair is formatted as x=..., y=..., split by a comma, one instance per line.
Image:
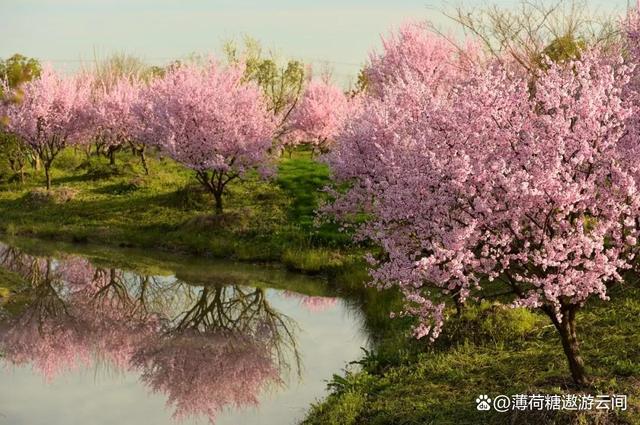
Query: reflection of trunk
x=234, y=309
x=567, y=329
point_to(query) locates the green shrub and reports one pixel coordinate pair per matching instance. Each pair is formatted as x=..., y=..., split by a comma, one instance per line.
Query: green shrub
x=312, y=260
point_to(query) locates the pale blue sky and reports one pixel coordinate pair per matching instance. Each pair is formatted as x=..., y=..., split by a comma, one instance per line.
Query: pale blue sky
x=341, y=32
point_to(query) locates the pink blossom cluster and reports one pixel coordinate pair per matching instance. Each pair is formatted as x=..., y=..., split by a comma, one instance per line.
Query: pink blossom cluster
x=484, y=175
x=414, y=52
x=113, y=112
x=208, y=119
x=53, y=111
x=318, y=117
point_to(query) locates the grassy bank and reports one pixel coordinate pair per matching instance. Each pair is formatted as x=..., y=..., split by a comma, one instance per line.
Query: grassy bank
x=167, y=210
x=490, y=350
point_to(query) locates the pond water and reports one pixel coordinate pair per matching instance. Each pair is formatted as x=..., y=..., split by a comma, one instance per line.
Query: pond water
x=114, y=337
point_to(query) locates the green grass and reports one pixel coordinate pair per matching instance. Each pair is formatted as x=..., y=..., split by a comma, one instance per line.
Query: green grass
x=9, y=283
x=491, y=350
x=190, y=269
x=263, y=220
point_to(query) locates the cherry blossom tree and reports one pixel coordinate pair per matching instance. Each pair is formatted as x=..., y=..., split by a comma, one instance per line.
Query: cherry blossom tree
x=52, y=114
x=318, y=117
x=531, y=189
x=414, y=52
x=211, y=121
x=117, y=124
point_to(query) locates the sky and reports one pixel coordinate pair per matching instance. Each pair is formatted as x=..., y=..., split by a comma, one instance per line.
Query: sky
x=338, y=34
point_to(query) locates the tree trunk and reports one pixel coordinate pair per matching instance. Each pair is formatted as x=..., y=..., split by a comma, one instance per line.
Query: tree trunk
x=112, y=157
x=47, y=174
x=218, y=198
x=567, y=330
x=459, y=303
x=143, y=159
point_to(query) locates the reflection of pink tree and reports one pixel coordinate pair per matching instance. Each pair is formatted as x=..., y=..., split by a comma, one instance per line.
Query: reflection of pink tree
x=312, y=303
x=318, y=117
x=70, y=319
x=78, y=273
x=118, y=323
x=222, y=351
x=52, y=346
x=203, y=373
x=30, y=268
x=225, y=350
x=43, y=334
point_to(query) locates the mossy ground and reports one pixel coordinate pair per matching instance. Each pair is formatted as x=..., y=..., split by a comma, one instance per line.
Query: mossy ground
x=264, y=220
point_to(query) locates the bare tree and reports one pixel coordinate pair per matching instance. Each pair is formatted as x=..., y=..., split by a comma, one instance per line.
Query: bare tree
x=534, y=29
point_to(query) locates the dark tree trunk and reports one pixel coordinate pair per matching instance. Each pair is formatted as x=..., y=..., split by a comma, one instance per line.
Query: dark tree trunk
x=459, y=304
x=112, y=156
x=47, y=174
x=143, y=160
x=570, y=344
x=218, y=198
x=215, y=184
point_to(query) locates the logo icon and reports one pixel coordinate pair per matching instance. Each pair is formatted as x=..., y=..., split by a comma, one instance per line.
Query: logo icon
x=483, y=402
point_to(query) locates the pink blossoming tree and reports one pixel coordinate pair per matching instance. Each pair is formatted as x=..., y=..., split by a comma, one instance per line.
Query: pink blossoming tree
x=319, y=116
x=531, y=189
x=211, y=121
x=117, y=124
x=416, y=53
x=53, y=113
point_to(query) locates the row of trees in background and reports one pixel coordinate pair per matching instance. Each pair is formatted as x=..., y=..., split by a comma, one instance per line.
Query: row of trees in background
x=218, y=120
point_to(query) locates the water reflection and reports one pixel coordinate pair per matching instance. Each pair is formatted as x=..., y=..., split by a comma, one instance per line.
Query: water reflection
x=205, y=348
x=312, y=303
